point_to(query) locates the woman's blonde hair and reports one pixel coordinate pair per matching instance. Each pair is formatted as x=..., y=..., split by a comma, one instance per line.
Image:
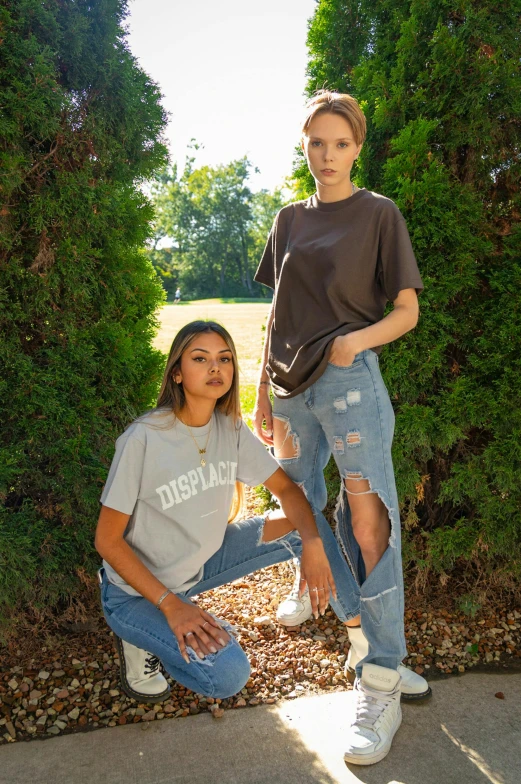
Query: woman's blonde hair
x=172, y=397
x=327, y=102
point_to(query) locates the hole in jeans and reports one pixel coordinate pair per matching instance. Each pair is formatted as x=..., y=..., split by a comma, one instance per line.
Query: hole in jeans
x=353, y=438
x=286, y=444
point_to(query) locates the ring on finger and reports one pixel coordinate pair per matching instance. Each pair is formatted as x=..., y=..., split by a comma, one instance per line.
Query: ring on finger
x=188, y=634
x=206, y=623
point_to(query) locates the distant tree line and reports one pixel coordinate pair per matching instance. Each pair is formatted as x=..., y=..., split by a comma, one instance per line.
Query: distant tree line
x=210, y=229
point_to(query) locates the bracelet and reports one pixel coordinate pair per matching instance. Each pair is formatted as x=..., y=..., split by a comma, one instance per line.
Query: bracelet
x=163, y=596
x=264, y=382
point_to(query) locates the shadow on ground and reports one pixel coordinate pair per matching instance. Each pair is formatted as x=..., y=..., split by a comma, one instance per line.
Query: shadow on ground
x=465, y=735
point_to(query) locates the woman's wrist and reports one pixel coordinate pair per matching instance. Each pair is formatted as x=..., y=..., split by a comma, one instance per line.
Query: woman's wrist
x=352, y=339
x=170, y=603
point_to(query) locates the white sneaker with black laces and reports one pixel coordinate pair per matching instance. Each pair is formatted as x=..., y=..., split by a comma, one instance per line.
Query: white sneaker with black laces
x=377, y=715
x=140, y=672
x=414, y=688
x=294, y=610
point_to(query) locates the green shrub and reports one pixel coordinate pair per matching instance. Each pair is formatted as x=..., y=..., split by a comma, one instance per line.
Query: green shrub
x=80, y=129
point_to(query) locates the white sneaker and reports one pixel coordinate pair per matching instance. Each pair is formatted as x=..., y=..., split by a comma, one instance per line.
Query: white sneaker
x=413, y=686
x=140, y=672
x=294, y=610
x=377, y=715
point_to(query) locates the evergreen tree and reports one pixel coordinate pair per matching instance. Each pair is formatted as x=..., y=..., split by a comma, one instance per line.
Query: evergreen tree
x=79, y=131
x=440, y=84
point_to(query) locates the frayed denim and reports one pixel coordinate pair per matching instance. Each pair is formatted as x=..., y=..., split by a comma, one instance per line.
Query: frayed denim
x=348, y=413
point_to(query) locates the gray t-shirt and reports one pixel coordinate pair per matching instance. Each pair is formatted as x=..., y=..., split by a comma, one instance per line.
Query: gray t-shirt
x=179, y=509
x=333, y=267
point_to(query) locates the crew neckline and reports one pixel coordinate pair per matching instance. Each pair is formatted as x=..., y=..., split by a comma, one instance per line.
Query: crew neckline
x=197, y=431
x=334, y=206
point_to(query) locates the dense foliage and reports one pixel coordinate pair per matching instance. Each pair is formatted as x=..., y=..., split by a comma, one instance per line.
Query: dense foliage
x=211, y=230
x=440, y=84
x=80, y=128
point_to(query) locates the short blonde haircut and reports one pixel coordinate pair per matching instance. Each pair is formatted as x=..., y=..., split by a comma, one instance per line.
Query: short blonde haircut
x=327, y=102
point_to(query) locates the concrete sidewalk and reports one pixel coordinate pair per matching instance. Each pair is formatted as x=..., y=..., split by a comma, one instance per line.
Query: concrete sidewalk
x=465, y=735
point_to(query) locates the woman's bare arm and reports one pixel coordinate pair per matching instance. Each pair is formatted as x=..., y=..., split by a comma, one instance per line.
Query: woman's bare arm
x=400, y=320
x=110, y=544
x=182, y=617
x=262, y=411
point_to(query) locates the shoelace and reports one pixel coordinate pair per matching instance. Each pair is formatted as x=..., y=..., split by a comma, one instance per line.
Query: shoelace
x=370, y=705
x=151, y=665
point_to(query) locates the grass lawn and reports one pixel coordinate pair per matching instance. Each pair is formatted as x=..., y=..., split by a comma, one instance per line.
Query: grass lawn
x=243, y=320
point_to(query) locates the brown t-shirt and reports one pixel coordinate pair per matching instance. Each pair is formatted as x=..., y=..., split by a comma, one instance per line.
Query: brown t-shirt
x=333, y=267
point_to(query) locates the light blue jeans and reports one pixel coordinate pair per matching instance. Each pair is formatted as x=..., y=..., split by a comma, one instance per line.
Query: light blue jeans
x=348, y=413
x=224, y=673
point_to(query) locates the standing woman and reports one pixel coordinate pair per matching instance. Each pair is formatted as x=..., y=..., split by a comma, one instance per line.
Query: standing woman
x=334, y=260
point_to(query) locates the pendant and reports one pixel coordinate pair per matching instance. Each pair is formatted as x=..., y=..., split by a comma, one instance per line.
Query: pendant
x=203, y=462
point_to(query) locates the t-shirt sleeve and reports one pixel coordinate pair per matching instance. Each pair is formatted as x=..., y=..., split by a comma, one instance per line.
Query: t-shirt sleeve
x=255, y=464
x=124, y=480
x=266, y=272
x=398, y=267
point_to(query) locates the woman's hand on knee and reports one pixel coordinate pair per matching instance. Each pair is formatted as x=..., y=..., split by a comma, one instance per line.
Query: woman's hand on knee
x=197, y=629
x=262, y=414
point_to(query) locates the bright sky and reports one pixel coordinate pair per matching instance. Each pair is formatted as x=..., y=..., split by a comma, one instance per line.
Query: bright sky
x=232, y=74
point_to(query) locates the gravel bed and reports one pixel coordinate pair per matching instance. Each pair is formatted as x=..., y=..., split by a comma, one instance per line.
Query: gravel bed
x=72, y=684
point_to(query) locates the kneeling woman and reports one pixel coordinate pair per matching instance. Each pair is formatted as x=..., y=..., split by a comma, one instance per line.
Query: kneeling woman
x=163, y=531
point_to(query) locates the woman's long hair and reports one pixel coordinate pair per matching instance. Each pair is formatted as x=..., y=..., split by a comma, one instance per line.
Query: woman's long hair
x=172, y=397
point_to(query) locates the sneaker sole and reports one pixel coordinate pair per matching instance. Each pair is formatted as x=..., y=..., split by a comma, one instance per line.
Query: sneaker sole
x=125, y=685
x=405, y=697
x=293, y=622
x=372, y=759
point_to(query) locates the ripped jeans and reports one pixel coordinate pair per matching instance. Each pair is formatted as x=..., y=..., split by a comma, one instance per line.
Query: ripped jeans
x=348, y=413
x=242, y=552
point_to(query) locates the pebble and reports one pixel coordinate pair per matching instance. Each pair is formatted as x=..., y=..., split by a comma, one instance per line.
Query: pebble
x=43, y=675
x=262, y=620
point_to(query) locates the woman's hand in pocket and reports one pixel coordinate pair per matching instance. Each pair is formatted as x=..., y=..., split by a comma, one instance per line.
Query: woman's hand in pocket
x=343, y=351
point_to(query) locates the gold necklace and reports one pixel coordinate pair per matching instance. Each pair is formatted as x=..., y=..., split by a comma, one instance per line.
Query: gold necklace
x=201, y=451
